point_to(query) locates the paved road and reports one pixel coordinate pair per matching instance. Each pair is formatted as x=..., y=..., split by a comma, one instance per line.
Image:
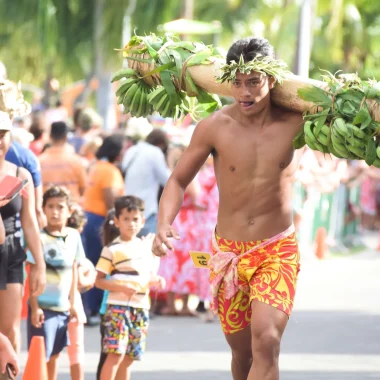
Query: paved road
x=333, y=334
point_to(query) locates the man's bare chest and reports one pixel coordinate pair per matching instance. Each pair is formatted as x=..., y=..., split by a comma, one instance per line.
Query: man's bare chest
x=247, y=152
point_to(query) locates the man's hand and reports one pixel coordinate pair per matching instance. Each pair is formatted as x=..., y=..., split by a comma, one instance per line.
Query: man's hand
x=8, y=356
x=37, y=317
x=37, y=279
x=162, y=240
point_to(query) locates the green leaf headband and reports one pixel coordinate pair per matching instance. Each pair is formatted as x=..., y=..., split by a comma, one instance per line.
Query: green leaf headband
x=266, y=65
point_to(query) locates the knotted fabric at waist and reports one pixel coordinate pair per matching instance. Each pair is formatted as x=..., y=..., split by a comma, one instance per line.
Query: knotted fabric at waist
x=224, y=265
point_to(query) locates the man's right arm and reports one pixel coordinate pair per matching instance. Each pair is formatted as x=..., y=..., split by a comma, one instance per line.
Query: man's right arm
x=193, y=158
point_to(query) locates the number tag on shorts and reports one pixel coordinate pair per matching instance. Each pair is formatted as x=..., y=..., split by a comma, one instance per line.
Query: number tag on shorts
x=200, y=259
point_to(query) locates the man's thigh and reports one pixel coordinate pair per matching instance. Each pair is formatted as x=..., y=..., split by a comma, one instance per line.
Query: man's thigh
x=267, y=320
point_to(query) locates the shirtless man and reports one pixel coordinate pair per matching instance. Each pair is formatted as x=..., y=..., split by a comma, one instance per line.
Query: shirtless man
x=255, y=163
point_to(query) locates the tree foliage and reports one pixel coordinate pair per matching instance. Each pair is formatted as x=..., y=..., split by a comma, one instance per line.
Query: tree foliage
x=37, y=35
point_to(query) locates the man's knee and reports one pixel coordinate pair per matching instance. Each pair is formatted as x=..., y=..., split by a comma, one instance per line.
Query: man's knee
x=243, y=357
x=267, y=343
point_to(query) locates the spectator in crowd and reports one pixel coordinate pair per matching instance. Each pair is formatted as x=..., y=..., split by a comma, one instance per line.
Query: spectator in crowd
x=87, y=124
x=60, y=165
x=12, y=255
x=88, y=151
x=105, y=184
x=22, y=136
x=37, y=129
x=57, y=113
x=145, y=170
x=21, y=156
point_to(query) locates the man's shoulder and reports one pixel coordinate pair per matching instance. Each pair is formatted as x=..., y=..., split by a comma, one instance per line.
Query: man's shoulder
x=289, y=117
x=224, y=116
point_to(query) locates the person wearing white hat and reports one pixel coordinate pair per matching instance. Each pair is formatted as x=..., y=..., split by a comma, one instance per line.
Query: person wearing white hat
x=12, y=255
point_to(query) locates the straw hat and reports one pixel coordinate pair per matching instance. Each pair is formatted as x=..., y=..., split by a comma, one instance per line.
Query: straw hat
x=138, y=127
x=12, y=100
x=5, y=122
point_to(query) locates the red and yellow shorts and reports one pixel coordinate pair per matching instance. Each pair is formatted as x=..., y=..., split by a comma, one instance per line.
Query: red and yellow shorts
x=269, y=275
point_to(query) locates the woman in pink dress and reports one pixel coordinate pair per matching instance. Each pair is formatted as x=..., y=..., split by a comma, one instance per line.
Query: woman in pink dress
x=206, y=222
x=177, y=268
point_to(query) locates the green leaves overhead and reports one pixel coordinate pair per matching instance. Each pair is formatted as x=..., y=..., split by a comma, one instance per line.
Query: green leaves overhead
x=315, y=95
x=171, y=58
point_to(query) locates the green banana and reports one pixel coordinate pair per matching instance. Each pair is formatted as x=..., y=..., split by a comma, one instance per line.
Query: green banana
x=146, y=108
x=160, y=105
x=141, y=104
x=156, y=95
x=333, y=151
x=325, y=129
x=339, y=147
x=299, y=141
x=340, y=127
x=124, y=85
x=338, y=137
x=135, y=101
x=356, y=131
x=355, y=141
x=356, y=151
x=309, y=133
x=309, y=142
x=130, y=94
x=166, y=110
x=322, y=138
x=120, y=99
x=123, y=73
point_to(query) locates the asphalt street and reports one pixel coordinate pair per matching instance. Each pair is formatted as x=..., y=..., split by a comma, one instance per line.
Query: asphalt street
x=333, y=333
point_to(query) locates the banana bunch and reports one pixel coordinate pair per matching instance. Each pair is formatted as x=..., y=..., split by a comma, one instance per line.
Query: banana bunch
x=123, y=73
x=348, y=140
x=132, y=93
x=343, y=140
x=136, y=99
x=160, y=101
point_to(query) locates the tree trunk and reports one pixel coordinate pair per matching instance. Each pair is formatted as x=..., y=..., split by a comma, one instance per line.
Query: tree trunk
x=302, y=59
x=104, y=93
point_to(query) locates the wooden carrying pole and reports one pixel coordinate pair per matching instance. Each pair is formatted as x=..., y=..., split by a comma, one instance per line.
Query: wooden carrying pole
x=285, y=95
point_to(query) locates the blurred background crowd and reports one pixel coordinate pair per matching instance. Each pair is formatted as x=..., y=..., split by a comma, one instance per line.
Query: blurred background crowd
x=335, y=201
x=76, y=133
